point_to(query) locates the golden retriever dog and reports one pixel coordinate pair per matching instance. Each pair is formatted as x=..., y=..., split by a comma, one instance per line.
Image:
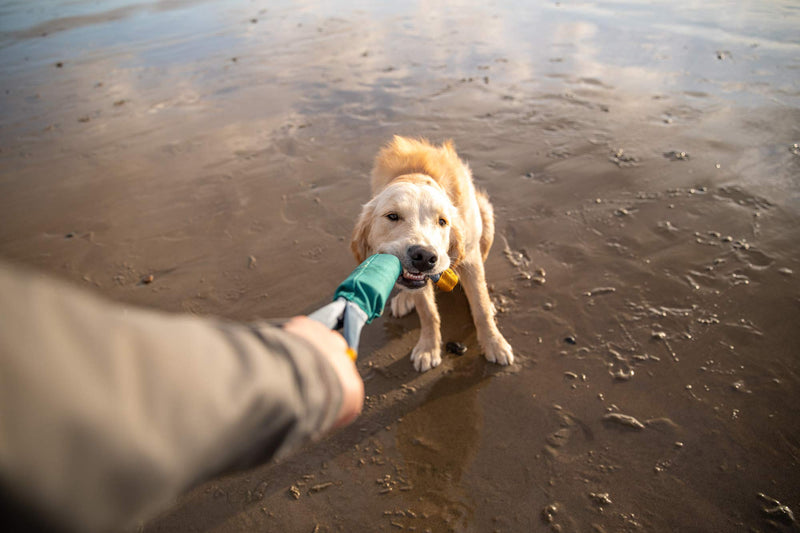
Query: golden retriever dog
x=425, y=211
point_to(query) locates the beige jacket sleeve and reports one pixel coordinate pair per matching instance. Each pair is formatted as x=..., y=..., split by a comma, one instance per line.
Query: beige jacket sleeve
x=108, y=412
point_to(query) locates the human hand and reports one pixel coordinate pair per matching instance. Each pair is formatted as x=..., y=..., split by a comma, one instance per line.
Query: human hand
x=333, y=345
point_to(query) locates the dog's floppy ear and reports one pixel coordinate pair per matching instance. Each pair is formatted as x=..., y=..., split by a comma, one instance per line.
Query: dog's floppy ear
x=456, y=249
x=358, y=243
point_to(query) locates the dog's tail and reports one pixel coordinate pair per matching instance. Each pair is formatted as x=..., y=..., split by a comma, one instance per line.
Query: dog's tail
x=487, y=219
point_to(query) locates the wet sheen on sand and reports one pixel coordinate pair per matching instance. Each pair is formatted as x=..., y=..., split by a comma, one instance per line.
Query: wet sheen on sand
x=643, y=162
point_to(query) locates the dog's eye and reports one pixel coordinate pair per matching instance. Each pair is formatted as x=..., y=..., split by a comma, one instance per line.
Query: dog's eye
x=394, y=217
x=442, y=222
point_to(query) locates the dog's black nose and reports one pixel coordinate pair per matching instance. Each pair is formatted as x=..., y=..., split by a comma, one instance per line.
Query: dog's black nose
x=423, y=259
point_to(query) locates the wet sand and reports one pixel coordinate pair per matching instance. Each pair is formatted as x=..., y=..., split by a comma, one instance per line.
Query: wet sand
x=643, y=164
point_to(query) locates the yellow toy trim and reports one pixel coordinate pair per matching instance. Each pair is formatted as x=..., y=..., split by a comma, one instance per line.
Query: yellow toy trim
x=447, y=281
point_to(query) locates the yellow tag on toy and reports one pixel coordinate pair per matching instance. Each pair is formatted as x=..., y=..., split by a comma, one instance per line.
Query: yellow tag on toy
x=447, y=281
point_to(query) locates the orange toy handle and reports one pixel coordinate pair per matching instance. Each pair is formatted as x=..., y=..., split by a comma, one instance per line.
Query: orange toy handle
x=447, y=280
x=352, y=354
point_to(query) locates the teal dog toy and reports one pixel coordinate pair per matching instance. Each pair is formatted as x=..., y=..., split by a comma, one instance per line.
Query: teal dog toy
x=362, y=296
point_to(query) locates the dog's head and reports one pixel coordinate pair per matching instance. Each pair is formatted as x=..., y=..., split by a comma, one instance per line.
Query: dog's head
x=414, y=220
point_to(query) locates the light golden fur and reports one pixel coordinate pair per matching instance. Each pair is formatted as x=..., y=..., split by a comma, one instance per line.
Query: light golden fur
x=430, y=192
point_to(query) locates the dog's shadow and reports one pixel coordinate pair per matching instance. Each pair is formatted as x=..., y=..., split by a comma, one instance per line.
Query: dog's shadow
x=388, y=343
x=393, y=390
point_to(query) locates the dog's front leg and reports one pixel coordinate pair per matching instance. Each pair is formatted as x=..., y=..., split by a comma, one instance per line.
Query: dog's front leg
x=495, y=347
x=427, y=353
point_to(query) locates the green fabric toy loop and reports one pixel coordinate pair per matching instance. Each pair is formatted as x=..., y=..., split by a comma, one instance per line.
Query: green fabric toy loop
x=371, y=283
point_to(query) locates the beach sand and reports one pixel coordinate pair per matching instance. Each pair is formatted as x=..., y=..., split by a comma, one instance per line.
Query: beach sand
x=645, y=172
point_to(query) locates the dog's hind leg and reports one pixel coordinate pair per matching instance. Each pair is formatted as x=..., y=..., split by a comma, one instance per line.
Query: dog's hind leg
x=495, y=347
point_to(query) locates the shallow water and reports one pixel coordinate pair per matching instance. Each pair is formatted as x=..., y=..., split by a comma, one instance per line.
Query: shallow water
x=643, y=164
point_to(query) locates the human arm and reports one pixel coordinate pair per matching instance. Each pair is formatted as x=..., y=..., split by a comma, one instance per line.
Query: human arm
x=108, y=412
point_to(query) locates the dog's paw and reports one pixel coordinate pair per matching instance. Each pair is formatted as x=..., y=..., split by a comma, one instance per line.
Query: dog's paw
x=424, y=356
x=497, y=350
x=402, y=304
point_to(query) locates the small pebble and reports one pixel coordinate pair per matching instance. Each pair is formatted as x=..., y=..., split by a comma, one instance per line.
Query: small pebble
x=739, y=386
x=549, y=513
x=776, y=510
x=600, y=498
x=456, y=348
x=625, y=420
x=780, y=512
x=676, y=156
x=148, y=279
x=571, y=339
x=622, y=374
x=600, y=290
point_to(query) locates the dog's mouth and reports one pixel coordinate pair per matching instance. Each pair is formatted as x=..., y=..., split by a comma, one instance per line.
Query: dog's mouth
x=413, y=280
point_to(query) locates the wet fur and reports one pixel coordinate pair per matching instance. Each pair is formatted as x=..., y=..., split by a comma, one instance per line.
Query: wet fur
x=435, y=172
